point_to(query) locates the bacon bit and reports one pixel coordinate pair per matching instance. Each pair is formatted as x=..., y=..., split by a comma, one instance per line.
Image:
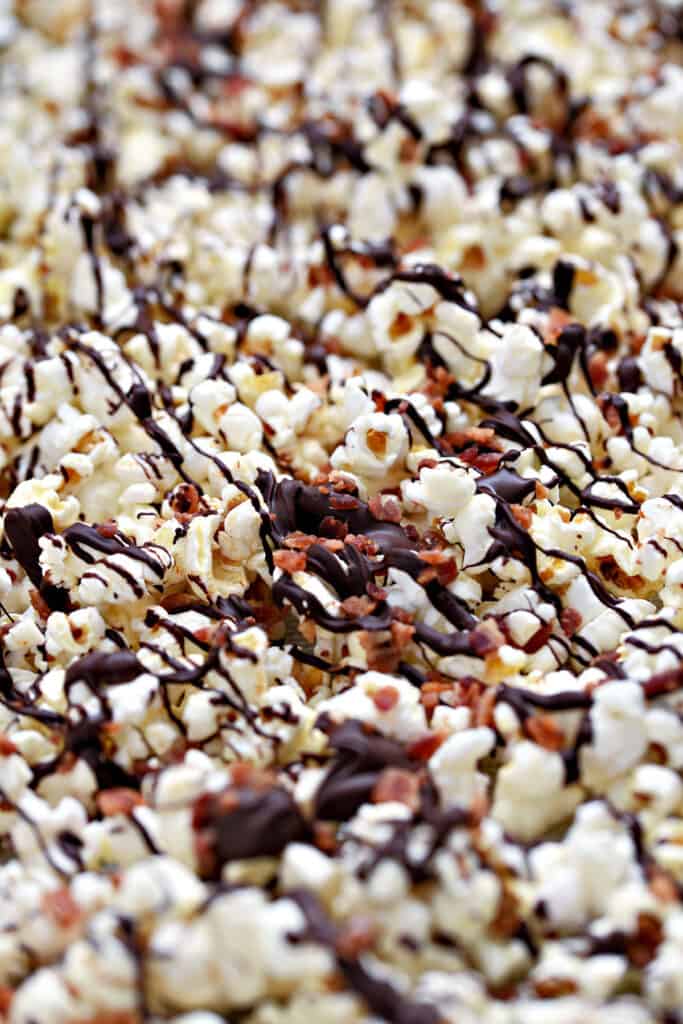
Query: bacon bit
x=523, y=515
x=570, y=620
x=553, y=988
x=473, y=258
x=597, y=370
x=483, y=709
x=362, y=543
x=408, y=150
x=385, y=507
x=108, y=528
x=243, y=773
x=356, y=937
x=345, y=502
x=539, y=639
x=300, y=541
x=205, y=634
x=357, y=606
x=467, y=692
x=394, y=784
x=342, y=484
x=426, y=576
x=557, y=321
x=486, y=637
x=39, y=603
x=402, y=324
x=474, y=435
x=376, y=441
x=611, y=415
x=6, y=997
x=381, y=652
x=290, y=561
x=401, y=633
x=422, y=749
x=320, y=276
x=66, y=762
x=331, y=544
x=427, y=464
x=663, y=886
x=444, y=565
x=541, y=490
x=185, y=502
x=386, y=698
x=6, y=746
x=487, y=462
x=506, y=921
x=543, y=729
x=333, y=528
x=119, y=800
x=61, y=907
x=478, y=809
x=421, y=242
x=431, y=692
x=325, y=836
x=641, y=948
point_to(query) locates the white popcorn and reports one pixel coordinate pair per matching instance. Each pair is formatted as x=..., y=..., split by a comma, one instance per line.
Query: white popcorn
x=340, y=663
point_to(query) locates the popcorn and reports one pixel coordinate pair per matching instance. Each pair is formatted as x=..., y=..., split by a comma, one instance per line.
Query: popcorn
x=341, y=599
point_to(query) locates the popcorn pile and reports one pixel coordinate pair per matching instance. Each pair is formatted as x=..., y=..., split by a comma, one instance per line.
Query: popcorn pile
x=341, y=512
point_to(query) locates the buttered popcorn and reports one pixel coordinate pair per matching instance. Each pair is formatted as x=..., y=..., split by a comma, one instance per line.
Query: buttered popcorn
x=341, y=512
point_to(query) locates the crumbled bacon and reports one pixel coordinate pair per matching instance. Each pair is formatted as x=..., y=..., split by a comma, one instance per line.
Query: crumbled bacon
x=523, y=515
x=300, y=541
x=39, y=603
x=570, y=620
x=545, y=731
x=444, y=566
x=108, y=528
x=6, y=746
x=333, y=528
x=354, y=607
x=119, y=800
x=486, y=637
x=290, y=561
x=385, y=507
x=597, y=370
x=6, y=997
x=395, y=785
x=555, y=988
x=344, y=502
x=641, y=948
x=60, y=906
x=356, y=937
x=386, y=698
x=422, y=749
x=556, y=323
x=381, y=652
x=507, y=920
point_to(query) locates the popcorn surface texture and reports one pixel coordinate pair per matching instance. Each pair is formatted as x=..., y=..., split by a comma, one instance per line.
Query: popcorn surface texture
x=341, y=512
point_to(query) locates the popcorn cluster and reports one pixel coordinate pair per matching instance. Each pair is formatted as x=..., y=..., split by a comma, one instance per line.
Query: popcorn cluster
x=341, y=512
